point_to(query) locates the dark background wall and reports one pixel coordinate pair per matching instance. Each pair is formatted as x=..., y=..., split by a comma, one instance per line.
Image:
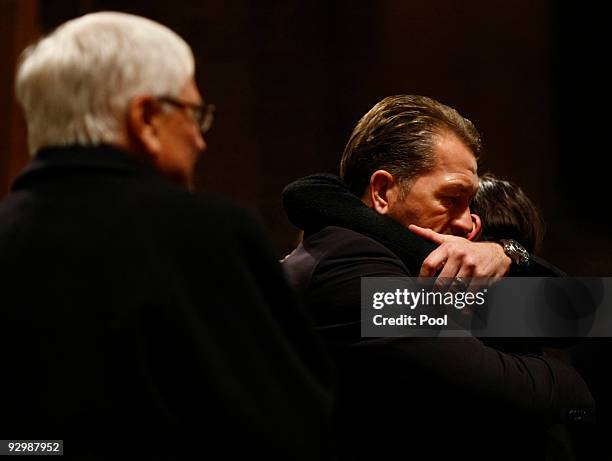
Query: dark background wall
x=291, y=78
x=19, y=23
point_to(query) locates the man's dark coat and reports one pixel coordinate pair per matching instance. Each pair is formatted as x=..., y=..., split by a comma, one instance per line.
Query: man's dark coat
x=450, y=397
x=138, y=318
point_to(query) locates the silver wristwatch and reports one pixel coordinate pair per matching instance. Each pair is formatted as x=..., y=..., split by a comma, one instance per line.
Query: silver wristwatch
x=515, y=252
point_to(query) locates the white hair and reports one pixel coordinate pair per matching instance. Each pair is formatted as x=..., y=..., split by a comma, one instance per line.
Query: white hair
x=75, y=85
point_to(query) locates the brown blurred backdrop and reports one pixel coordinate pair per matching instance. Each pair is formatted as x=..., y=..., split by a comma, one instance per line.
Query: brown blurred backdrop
x=290, y=79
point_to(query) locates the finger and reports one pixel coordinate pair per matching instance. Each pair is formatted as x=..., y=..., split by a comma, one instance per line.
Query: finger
x=434, y=262
x=476, y=284
x=480, y=283
x=448, y=273
x=467, y=274
x=428, y=234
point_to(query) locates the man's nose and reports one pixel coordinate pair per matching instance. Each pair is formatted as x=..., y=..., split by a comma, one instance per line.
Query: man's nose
x=463, y=223
x=200, y=142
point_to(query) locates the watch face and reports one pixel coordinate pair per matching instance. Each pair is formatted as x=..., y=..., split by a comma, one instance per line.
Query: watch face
x=522, y=251
x=516, y=252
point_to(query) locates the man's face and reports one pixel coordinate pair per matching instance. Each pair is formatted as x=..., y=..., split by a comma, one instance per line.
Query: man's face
x=180, y=139
x=440, y=199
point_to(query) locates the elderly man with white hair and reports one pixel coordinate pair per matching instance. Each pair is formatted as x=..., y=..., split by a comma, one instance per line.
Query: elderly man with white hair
x=138, y=318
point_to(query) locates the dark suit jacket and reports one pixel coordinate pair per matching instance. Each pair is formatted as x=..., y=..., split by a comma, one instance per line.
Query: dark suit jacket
x=137, y=318
x=454, y=396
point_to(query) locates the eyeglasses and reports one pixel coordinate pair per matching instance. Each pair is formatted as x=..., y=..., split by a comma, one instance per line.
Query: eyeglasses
x=203, y=114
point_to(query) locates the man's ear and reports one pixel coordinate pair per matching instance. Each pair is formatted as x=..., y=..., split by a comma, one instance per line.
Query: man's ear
x=383, y=191
x=142, y=125
x=476, y=227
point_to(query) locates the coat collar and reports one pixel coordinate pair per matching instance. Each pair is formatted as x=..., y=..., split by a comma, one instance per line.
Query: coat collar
x=53, y=160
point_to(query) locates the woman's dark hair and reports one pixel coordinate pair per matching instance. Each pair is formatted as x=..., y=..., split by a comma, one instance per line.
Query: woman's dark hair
x=507, y=213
